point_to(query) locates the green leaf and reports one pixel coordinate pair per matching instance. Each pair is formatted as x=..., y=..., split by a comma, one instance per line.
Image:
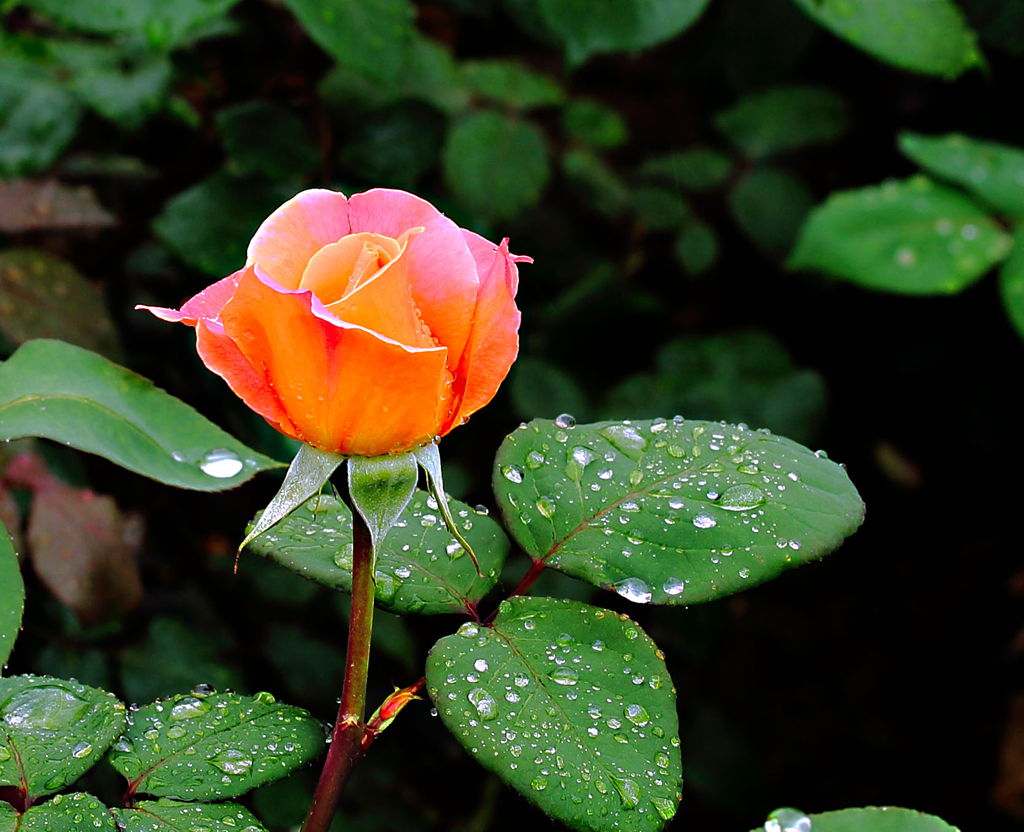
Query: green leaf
x=877, y=819
x=770, y=205
x=431, y=75
x=670, y=512
x=587, y=28
x=67, y=394
x=380, y=488
x=783, y=118
x=511, y=83
x=263, y=138
x=1011, y=284
x=928, y=36
x=68, y=813
x=8, y=818
x=52, y=731
x=420, y=567
x=371, y=36
x=602, y=189
x=396, y=146
x=42, y=296
x=170, y=816
x=569, y=704
x=12, y=596
x=496, y=165
x=38, y=118
x=696, y=247
x=992, y=172
x=210, y=224
x=164, y=25
x=594, y=123
x=308, y=473
x=213, y=746
x=660, y=208
x=694, y=169
x=913, y=237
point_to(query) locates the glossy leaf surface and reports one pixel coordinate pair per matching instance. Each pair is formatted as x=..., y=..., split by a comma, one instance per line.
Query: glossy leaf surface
x=12, y=596
x=52, y=731
x=874, y=819
x=203, y=746
x=913, y=237
x=569, y=704
x=670, y=512
x=171, y=816
x=1011, y=284
x=928, y=36
x=76, y=812
x=67, y=394
x=420, y=567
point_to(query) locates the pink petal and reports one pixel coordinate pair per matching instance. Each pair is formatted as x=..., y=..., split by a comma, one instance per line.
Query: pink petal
x=206, y=305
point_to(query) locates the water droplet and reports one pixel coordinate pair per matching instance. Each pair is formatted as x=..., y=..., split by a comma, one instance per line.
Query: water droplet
x=673, y=586
x=5, y=754
x=741, y=497
x=564, y=676
x=605, y=474
x=787, y=819
x=625, y=438
x=634, y=589
x=538, y=784
x=220, y=463
x=454, y=550
x=664, y=807
x=512, y=473
x=481, y=665
x=704, y=521
x=905, y=256
x=662, y=760
x=534, y=460
x=629, y=791
x=546, y=506
x=637, y=714
x=232, y=761
x=402, y=571
x=485, y=704
x=565, y=420
x=188, y=708
x=44, y=708
x=386, y=586
x=83, y=749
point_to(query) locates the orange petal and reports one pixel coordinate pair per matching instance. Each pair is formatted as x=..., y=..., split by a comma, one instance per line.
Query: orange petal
x=339, y=268
x=345, y=389
x=494, y=340
x=297, y=230
x=442, y=272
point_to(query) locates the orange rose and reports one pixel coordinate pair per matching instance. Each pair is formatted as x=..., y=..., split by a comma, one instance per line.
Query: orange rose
x=364, y=325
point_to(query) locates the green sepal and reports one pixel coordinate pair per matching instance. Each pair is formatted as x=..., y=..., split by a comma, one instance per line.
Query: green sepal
x=307, y=474
x=429, y=458
x=380, y=488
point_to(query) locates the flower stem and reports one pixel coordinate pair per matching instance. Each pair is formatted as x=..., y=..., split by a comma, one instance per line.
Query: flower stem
x=347, y=739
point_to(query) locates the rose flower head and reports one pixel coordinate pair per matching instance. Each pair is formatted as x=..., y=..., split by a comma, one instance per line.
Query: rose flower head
x=361, y=325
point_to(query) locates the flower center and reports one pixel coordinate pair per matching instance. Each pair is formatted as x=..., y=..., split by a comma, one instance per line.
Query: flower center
x=339, y=269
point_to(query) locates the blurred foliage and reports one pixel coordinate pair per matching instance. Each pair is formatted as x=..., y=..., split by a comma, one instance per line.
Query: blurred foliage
x=661, y=160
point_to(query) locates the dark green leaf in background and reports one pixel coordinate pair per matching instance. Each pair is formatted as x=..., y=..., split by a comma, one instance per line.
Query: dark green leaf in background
x=694, y=169
x=420, y=567
x=770, y=205
x=42, y=296
x=928, y=36
x=670, y=512
x=594, y=123
x=784, y=118
x=204, y=746
x=263, y=138
x=170, y=816
x=586, y=28
x=876, y=819
x=496, y=165
x=992, y=172
x=913, y=237
x=600, y=186
x=67, y=394
x=75, y=812
x=210, y=224
x=660, y=208
x=511, y=83
x=1011, y=284
x=569, y=704
x=696, y=246
x=395, y=147
x=371, y=37
x=52, y=731
x=12, y=596
x=540, y=388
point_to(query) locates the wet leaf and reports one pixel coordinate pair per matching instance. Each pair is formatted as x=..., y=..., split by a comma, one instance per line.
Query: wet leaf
x=992, y=172
x=569, y=704
x=587, y=28
x=1011, y=284
x=52, y=731
x=203, y=746
x=12, y=596
x=32, y=204
x=68, y=813
x=60, y=392
x=875, y=819
x=496, y=165
x=783, y=118
x=912, y=237
x=510, y=83
x=8, y=818
x=420, y=567
x=170, y=816
x=670, y=512
x=928, y=36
